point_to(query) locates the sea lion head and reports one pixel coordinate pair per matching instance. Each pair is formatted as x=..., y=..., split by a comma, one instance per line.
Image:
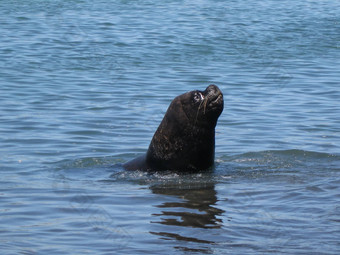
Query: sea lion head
x=202, y=107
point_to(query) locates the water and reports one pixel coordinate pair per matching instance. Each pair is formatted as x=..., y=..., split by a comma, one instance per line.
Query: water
x=84, y=85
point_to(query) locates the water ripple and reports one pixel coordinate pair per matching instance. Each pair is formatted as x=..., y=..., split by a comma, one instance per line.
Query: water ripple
x=85, y=84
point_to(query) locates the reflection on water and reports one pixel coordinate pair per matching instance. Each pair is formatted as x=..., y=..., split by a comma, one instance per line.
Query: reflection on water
x=196, y=208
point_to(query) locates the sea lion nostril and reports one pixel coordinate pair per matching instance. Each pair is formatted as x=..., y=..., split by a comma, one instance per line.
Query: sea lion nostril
x=212, y=90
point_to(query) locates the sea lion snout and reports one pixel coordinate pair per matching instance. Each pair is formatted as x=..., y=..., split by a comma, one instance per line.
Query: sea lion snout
x=212, y=89
x=214, y=96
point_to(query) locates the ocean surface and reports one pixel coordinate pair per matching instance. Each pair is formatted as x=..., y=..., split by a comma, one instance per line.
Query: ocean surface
x=84, y=85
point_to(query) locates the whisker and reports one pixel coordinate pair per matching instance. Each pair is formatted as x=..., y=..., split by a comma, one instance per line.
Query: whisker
x=199, y=108
x=205, y=104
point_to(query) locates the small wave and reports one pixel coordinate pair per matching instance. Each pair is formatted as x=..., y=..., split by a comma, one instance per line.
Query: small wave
x=165, y=179
x=85, y=169
x=282, y=160
x=250, y=164
x=294, y=153
x=87, y=162
x=297, y=153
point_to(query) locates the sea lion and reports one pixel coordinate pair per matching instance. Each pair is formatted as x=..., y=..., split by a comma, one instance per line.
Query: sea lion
x=185, y=139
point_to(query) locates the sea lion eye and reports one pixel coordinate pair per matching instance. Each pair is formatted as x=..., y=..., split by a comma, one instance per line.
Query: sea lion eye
x=198, y=97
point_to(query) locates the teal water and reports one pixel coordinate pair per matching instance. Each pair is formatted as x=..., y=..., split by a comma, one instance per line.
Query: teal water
x=84, y=85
